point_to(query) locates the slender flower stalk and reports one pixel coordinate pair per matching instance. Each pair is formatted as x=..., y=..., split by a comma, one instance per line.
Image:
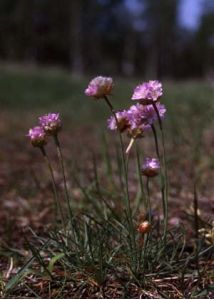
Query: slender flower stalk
x=122, y=151
x=156, y=141
x=133, y=245
x=162, y=177
x=150, y=168
x=141, y=185
x=165, y=175
x=58, y=207
x=61, y=161
x=148, y=199
x=52, y=124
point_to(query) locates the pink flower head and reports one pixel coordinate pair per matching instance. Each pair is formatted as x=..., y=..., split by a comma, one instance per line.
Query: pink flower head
x=37, y=136
x=151, y=167
x=148, y=92
x=138, y=124
x=122, y=122
x=149, y=114
x=137, y=119
x=99, y=87
x=51, y=123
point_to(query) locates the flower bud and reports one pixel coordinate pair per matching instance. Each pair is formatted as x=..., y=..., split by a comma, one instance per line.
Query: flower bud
x=144, y=227
x=37, y=136
x=151, y=167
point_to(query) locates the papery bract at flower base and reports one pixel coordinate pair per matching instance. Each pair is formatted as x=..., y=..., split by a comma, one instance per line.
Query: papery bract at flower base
x=137, y=132
x=51, y=123
x=37, y=136
x=99, y=87
x=151, y=167
x=122, y=122
x=148, y=92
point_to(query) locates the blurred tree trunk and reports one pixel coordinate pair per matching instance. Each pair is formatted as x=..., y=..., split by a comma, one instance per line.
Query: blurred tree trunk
x=151, y=70
x=129, y=50
x=92, y=43
x=161, y=22
x=76, y=58
x=205, y=42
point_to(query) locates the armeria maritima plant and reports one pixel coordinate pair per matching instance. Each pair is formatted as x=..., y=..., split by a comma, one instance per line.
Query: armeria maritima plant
x=136, y=122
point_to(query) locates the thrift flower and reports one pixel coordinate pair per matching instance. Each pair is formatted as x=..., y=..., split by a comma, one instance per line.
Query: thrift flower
x=149, y=114
x=144, y=227
x=148, y=92
x=37, y=136
x=137, y=119
x=138, y=124
x=99, y=87
x=141, y=117
x=51, y=123
x=122, y=121
x=151, y=167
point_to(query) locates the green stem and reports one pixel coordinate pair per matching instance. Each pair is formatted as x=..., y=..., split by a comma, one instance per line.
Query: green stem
x=127, y=202
x=143, y=196
x=165, y=183
x=58, y=207
x=61, y=161
x=127, y=190
x=162, y=175
x=156, y=141
x=148, y=201
x=122, y=151
x=195, y=203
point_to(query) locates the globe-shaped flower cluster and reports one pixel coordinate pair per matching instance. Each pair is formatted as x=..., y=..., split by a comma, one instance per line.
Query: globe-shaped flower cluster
x=49, y=124
x=137, y=119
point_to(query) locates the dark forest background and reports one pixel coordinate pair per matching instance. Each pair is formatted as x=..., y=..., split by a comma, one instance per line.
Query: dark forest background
x=105, y=36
